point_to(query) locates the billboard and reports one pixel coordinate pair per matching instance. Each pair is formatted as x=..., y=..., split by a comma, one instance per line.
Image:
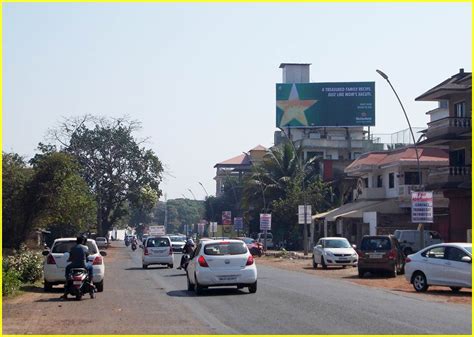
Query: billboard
x=422, y=207
x=325, y=104
x=226, y=218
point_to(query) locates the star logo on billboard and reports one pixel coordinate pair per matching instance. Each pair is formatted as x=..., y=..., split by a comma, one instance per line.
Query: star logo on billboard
x=294, y=108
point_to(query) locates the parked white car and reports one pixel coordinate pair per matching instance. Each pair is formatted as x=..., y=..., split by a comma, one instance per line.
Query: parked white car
x=446, y=264
x=334, y=251
x=54, y=267
x=178, y=242
x=101, y=242
x=217, y=263
x=157, y=250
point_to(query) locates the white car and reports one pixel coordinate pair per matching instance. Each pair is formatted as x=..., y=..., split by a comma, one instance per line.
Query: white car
x=221, y=263
x=157, y=250
x=334, y=251
x=101, y=242
x=177, y=242
x=445, y=264
x=54, y=267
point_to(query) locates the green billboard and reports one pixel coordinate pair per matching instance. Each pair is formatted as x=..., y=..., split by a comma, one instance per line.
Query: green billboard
x=325, y=104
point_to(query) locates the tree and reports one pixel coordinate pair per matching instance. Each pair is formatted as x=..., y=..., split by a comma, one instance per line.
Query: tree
x=114, y=165
x=15, y=177
x=57, y=196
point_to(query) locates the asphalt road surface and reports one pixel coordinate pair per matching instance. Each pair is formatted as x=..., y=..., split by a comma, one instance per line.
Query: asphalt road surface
x=155, y=301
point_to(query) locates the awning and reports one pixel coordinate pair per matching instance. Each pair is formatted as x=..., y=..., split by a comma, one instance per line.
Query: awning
x=357, y=209
x=323, y=215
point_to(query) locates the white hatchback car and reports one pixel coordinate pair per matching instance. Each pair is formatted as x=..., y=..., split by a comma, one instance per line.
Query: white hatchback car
x=445, y=264
x=54, y=267
x=157, y=250
x=217, y=263
x=334, y=251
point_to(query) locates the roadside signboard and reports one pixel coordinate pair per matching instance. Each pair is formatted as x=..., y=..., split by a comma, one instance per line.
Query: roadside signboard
x=301, y=214
x=213, y=227
x=156, y=230
x=422, y=207
x=238, y=223
x=201, y=228
x=226, y=218
x=265, y=221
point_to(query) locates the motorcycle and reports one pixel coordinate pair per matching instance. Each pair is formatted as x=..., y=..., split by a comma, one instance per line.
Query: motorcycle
x=134, y=246
x=78, y=284
x=184, y=261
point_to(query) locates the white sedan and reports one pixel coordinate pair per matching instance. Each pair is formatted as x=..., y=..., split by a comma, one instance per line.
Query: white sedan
x=54, y=267
x=334, y=251
x=446, y=264
x=221, y=263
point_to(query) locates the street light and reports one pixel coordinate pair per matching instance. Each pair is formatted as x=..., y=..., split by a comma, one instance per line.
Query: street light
x=381, y=73
x=305, y=225
x=192, y=194
x=210, y=202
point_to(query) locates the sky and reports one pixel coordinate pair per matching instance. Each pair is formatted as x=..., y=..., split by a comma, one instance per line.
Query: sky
x=201, y=77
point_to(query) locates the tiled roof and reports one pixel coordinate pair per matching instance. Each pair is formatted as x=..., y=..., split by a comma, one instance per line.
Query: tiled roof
x=259, y=148
x=239, y=160
x=462, y=81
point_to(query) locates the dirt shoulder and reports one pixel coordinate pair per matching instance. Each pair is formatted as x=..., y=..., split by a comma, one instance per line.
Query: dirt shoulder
x=396, y=284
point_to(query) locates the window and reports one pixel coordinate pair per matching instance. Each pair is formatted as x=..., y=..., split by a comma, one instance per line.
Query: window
x=366, y=182
x=377, y=243
x=434, y=253
x=379, y=181
x=412, y=178
x=391, y=180
x=455, y=254
x=356, y=155
x=158, y=242
x=457, y=158
x=225, y=248
x=443, y=104
x=460, y=109
x=318, y=154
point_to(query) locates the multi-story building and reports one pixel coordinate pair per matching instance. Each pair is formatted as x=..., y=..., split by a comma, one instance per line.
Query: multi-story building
x=450, y=128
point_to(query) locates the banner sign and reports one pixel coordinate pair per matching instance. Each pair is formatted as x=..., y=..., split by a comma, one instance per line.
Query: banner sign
x=265, y=221
x=325, y=104
x=156, y=230
x=238, y=223
x=213, y=227
x=201, y=228
x=301, y=213
x=422, y=207
x=226, y=218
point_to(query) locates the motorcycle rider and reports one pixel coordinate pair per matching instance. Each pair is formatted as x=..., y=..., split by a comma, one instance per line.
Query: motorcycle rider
x=78, y=258
x=187, y=250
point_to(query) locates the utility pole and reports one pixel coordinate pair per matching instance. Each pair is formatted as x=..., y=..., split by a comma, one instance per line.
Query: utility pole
x=166, y=215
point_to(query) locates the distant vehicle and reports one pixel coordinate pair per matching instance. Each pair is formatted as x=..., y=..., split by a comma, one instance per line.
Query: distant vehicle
x=380, y=253
x=446, y=264
x=255, y=247
x=101, y=242
x=177, y=242
x=409, y=239
x=56, y=261
x=216, y=263
x=157, y=250
x=334, y=251
x=261, y=239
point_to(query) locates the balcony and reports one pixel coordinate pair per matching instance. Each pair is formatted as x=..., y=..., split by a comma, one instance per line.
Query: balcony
x=449, y=126
x=369, y=193
x=450, y=175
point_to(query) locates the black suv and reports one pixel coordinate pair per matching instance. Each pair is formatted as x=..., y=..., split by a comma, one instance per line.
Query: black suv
x=380, y=253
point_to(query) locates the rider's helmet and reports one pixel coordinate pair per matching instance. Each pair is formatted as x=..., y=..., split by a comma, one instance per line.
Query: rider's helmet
x=190, y=242
x=81, y=239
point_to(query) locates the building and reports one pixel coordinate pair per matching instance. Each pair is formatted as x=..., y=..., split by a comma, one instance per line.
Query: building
x=450, y=128
x=237, y=166
x=382, y=199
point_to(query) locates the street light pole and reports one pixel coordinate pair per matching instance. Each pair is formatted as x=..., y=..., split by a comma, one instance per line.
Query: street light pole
x=305, y=225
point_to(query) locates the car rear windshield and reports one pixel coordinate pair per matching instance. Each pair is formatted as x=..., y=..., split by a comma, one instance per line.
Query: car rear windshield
x=158, y=242
x=375, y=244
x=65, y=246
x=336, y=244
x=225, y=248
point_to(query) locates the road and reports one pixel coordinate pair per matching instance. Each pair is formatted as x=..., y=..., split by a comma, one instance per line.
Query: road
x=155, y=301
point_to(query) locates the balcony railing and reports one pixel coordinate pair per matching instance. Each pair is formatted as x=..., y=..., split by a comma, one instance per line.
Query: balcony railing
x=456, y=125
x=450, y=174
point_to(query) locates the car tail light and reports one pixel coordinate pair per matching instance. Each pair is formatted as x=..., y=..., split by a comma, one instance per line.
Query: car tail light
x=407, y=260
x=202, y=261
x=97, y=260
x=146, y=252
x=249, y=261
x=50, y=260
x=392, y=254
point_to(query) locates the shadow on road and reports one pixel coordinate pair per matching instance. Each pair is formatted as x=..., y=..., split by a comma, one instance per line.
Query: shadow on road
x=213, y=292
x=33, y=289
x=174, y=275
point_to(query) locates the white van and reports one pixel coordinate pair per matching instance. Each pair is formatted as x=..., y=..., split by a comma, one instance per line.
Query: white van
x=261, y=238
x=409, y=239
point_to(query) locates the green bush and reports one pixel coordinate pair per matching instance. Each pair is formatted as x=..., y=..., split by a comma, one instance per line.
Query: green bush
x=26, y=263
x=10, y=282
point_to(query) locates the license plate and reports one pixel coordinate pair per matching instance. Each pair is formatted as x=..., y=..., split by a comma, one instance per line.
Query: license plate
x=374, y=256
x=158, y=251
x=343, y=261
x=77, y=283
x=227, y=278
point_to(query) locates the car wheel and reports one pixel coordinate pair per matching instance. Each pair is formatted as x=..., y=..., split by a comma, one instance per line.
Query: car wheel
x=197, y=287
x=455, y=289
x=144, y=266
x=315, y=265
x=394, y=272
x=361, y=273
x=190, y=286
x=48, y=286
x=419, y=282
x=78, y=297
x=253, y=288
x=407, y=251
x=323, y=264
x=170, y=266
x=100, y=286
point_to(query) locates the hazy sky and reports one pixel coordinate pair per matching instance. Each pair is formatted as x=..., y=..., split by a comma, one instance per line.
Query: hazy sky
x=201, y=77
